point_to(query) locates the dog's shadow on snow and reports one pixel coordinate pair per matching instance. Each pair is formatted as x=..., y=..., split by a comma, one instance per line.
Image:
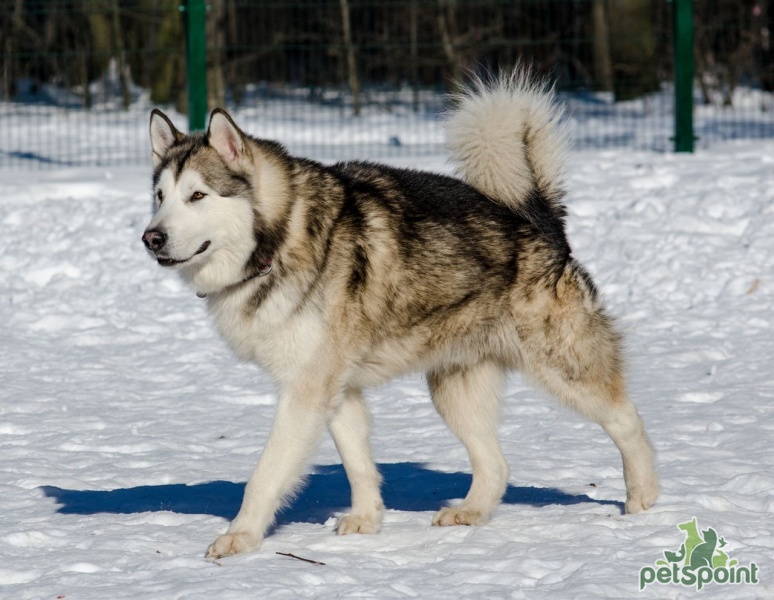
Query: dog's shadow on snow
x=406, y=487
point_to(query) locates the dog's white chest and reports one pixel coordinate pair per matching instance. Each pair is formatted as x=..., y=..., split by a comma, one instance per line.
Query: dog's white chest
x=279, y=340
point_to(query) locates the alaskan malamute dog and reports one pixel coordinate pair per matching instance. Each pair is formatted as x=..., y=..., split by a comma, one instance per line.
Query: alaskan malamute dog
x=335, y=278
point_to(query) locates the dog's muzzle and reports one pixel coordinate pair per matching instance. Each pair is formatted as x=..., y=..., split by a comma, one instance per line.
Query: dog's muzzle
x=156, y=239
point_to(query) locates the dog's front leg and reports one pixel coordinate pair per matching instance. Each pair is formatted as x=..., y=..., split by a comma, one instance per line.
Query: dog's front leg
x=298, y=423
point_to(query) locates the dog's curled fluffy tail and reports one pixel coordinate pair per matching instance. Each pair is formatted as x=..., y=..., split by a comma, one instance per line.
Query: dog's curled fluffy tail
x=506, y=139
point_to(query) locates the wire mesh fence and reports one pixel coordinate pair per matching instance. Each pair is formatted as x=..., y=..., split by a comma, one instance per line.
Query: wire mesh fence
x=365, y=78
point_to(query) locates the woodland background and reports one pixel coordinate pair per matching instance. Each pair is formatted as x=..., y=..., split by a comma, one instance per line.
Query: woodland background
x=619, y=46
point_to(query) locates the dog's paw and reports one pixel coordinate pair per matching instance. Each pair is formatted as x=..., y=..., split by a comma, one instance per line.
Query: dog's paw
x=359, y=524
x=232, y=543
x=459, y=515
x=642, y=499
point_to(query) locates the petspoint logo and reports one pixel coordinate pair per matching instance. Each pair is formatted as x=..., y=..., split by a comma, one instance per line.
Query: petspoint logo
x=699, y=561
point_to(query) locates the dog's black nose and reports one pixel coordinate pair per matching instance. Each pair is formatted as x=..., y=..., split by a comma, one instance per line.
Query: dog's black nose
x=154, y=239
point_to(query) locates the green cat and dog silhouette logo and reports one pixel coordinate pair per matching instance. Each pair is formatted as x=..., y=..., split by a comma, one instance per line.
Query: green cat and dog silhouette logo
x=701, y=559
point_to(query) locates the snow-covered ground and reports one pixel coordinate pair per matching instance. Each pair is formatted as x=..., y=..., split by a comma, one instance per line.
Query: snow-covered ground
x=127, y=429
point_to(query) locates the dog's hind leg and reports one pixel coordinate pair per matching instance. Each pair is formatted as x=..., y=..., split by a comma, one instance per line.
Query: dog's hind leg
x=624, y=426
x=606, y=403
x=574, y=352
x=349, y=424
x=468, y=399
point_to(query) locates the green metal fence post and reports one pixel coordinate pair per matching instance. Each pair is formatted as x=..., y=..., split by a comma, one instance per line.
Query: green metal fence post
x=682, y=11
x=196, y=58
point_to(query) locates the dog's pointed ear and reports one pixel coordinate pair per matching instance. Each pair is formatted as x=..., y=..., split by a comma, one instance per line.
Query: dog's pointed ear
x=223, y=135
x=162, y=134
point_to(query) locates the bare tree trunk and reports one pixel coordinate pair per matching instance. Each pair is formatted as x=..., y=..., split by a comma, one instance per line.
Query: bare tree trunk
x=414, y=53
x=603, y=67
x=446, y=24
x=96, y=46
x=168, y=67
x=215, y=41
x=633, y=49
x=83, y=68
x=118, y=38
x=349, y=47
x=701, y=71
x=233, y=80
x=8, y=68
x=9, y=74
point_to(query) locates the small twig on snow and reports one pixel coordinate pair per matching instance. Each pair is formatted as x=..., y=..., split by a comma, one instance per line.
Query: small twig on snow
x=309, y=560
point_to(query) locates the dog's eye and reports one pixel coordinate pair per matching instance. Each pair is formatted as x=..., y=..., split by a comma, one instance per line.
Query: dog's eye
x=197, y=196
x=160, y=196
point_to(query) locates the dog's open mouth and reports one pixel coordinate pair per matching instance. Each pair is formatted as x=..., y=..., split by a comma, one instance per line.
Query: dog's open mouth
x=171, y=262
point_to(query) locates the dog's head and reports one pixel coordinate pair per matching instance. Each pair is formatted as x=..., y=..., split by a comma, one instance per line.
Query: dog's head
x=209, y=221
